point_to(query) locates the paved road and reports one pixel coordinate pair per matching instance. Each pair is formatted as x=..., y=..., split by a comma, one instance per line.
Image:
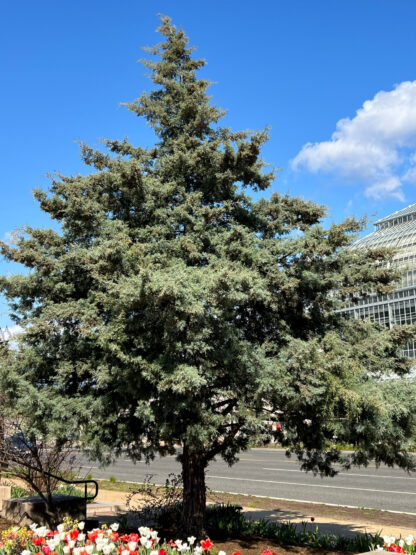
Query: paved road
x=268, y=472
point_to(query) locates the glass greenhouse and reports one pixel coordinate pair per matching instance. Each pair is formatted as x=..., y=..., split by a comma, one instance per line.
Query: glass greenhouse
x=398, y=307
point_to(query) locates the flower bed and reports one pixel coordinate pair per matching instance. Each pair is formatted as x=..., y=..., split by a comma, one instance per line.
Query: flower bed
x=70, y=538
x=401, y=545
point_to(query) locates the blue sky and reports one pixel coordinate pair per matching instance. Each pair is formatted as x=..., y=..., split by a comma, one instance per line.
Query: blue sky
x=335, y=80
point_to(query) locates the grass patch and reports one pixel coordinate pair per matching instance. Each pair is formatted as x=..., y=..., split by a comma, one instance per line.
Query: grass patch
x=117, y=486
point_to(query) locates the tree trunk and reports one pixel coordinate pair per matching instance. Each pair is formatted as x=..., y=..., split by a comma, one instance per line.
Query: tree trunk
x=194, y=495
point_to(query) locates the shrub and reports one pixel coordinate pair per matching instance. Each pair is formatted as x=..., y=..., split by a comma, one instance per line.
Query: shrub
x=17, y=492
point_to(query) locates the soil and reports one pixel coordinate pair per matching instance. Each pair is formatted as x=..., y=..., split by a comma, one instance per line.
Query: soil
x=256, y=546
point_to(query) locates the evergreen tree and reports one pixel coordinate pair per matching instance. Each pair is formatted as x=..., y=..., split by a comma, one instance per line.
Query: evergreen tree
x=171, y=308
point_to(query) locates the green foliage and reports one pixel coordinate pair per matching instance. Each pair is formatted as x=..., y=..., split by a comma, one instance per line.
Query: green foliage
x=66, y=489
x=17, y=492
x=112, y=479
x=228, y=521
x=172, y=307
x=225, y=520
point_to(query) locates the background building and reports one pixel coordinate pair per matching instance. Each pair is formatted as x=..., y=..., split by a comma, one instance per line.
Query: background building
x=398, y=307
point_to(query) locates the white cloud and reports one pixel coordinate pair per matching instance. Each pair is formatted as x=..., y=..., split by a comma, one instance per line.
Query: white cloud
x=410, y=175
x=375, y=148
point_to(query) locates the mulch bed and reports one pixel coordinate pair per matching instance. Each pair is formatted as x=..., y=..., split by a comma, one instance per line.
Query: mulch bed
x=256, y=546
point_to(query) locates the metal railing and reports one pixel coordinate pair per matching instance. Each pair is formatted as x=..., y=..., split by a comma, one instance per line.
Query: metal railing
x=85, y=482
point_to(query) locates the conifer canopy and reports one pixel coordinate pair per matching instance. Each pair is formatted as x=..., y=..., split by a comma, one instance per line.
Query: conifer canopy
x=172, y=309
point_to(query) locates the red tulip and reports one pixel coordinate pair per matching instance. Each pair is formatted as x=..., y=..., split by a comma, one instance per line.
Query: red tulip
x=206, y=544
x=396, y=548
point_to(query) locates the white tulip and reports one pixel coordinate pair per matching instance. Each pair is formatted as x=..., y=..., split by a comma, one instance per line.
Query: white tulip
x=81, y=525
x=41, y=531
x=221, y=553
x=409, y=539
x=191, y=540
x=66, y=549
x=132, y=546
x=401, y=543
x=388, y=540
x=114, y=527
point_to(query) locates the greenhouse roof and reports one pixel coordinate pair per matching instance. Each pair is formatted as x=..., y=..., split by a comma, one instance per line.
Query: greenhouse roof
x=409, y=210
x=398, y=230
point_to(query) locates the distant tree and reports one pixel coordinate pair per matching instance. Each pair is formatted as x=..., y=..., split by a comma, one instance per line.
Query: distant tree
x=171, y=308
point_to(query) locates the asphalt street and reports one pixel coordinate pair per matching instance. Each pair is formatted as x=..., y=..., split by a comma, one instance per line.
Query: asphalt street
x=268, y=472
